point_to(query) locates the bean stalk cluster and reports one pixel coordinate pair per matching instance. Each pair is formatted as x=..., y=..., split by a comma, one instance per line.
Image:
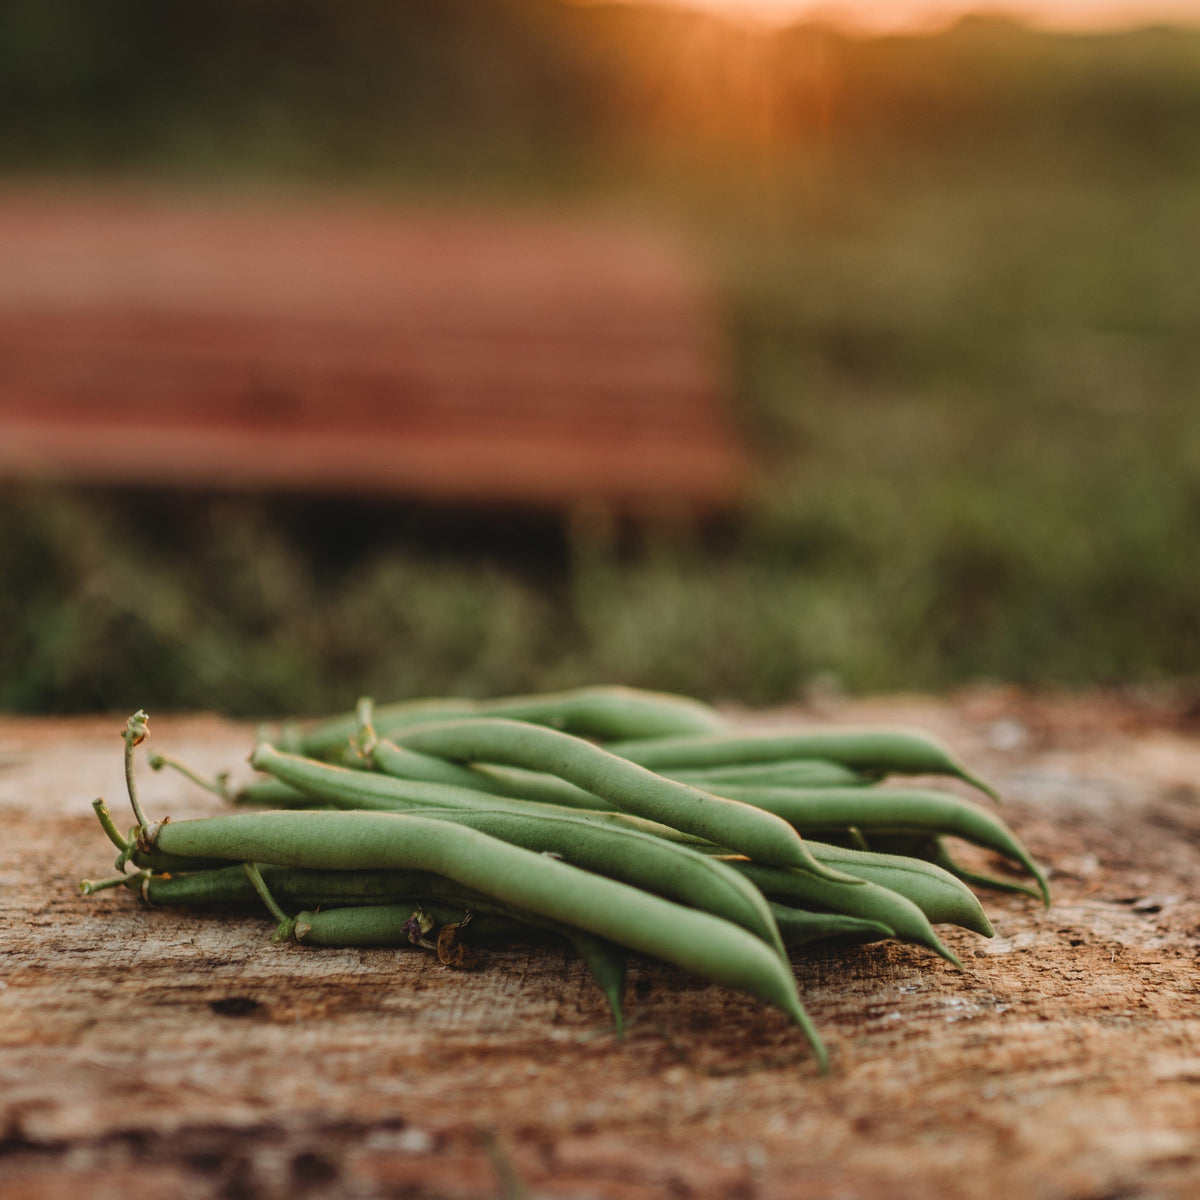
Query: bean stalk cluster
x=621, y=821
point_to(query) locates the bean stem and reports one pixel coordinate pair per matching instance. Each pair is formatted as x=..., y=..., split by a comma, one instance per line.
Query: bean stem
x=109, y=826
x=136, y=732
x=218, y=786
x=285, y=924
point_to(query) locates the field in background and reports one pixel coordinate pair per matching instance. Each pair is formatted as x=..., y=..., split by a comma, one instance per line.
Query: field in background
x=960, y=274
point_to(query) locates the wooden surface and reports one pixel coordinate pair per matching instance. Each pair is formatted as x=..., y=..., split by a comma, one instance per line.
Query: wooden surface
x=180, y=1054
x=529, y=359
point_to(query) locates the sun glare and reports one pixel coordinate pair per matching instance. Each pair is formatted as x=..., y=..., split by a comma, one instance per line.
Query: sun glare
x=887, y=15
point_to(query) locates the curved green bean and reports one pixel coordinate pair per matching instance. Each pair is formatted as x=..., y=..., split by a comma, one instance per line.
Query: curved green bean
x=306, y=887
x=385, y=756
x=896, y=751
x=942, y=897
x=609, y=712
x=868, y=900
x=892, y=810
x=385, y=924
x=605, y=713
x=801, y=773
x=269, y=793
x=534, y=786
x=933, y=849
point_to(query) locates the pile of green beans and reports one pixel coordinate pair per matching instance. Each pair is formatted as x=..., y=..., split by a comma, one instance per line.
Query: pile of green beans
x=620, y=821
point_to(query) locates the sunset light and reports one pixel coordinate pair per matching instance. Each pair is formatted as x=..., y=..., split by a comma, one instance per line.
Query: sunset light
x=899, y=15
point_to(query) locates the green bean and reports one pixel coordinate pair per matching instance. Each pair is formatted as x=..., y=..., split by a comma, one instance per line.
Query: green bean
x=607, y=713
x=537, y=786
x=868, y=900
x=270, y=793
x=942, y=897
x=333, y=734
x=801, y=772
x=388, y=924
x=292, y=885
x=933, y=850
x=751, y=831
x=668, y=869
x=897, y=751
x=800, y=927
x=114, y=835
x=348, y=788
x=384, y=755
x=705, y=945
x=943, y=858
x=892, y=810
x=304, y=887
x=600, y=712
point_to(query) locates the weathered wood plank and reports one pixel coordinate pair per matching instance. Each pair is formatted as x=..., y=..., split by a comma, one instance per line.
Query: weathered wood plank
x=180, y=1052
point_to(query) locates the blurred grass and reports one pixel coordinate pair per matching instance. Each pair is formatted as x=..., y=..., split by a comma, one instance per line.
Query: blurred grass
x=965, y=327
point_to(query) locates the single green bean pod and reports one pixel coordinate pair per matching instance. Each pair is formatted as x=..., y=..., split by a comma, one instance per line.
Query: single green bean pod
x=270, y=793
x=297, y=886
x=869, y=901
x=933, y=849
x=802, y=928
x=536, y=786
x=882, y=811
x=604, y=713
x=798, y=773
x=942, y=897
x=391, y=924
x=887, y=751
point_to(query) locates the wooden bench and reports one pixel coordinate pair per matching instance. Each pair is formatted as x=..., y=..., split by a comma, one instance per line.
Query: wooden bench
x=450, y=356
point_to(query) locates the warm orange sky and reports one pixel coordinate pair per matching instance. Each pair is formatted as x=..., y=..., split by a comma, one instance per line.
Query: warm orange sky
x=893, y=14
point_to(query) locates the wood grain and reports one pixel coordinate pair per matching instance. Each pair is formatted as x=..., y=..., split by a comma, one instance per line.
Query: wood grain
x=154, y=1051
